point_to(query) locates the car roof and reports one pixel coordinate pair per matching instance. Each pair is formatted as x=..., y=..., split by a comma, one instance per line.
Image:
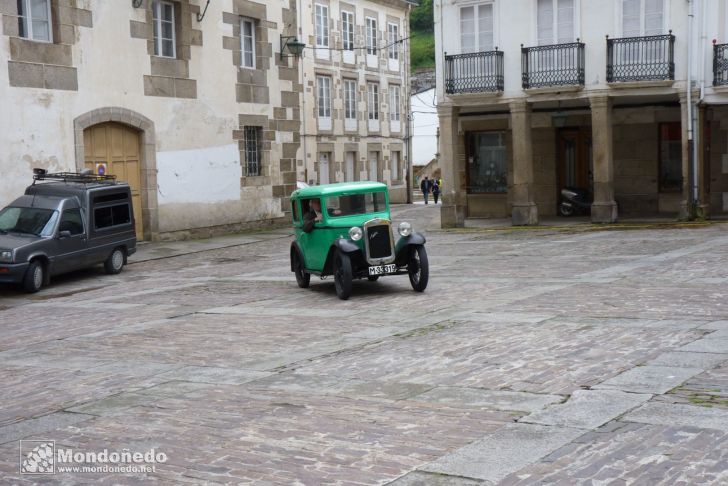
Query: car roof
x=69, y=189
x=339, y=188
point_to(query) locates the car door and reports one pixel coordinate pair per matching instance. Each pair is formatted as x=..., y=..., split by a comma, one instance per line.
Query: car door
x=71, y=242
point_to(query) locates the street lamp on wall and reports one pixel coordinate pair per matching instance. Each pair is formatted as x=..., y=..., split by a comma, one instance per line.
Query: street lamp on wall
x=294, y=47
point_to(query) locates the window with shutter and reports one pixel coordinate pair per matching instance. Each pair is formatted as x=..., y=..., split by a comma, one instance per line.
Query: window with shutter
x=555, y=22
x=476, y=28
x=643, y=17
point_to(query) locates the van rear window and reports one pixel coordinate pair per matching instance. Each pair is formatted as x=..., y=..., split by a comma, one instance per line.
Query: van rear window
x=119, y=196
x=109, y=216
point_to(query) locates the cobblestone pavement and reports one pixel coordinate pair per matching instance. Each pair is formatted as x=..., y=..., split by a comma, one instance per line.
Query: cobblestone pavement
x=535, y=357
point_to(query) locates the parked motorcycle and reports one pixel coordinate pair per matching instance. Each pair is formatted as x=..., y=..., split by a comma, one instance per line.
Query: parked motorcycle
x=574, y=200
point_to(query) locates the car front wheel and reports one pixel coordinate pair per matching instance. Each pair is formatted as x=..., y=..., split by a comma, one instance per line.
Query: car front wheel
x=34, y=276
x=303, y=279
x=342, y=275
x=418, y=268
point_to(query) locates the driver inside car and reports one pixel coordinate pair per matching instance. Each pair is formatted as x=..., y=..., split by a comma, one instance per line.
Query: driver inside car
x=313, y=215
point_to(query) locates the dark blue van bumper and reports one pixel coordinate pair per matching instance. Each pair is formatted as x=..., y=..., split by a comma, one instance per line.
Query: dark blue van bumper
x=12, y=273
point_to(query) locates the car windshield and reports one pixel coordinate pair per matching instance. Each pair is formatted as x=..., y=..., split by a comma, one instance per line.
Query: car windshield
x=370, y=202
x=30, y=221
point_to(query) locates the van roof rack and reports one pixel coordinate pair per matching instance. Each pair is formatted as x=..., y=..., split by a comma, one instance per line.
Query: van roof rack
x=85, y=177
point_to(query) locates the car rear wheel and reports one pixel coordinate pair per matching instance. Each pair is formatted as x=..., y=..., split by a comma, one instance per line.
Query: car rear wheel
x=115, y=262
x=34, y=276
x=373, y=278
x=303, y=279
x=342, y=275
x=418, y=268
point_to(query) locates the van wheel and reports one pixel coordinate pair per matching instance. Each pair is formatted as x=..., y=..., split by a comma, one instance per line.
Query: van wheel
x=418, y=268
x=34, y=276
x=303, y=279
x=115, y=262
x=342, y=275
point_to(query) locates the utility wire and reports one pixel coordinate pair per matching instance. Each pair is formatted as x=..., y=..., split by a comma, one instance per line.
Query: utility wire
x=399, y=41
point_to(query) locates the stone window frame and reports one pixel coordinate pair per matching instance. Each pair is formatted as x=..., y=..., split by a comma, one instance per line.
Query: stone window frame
x=254, y=151
x=319, y=99
x=376, y=94
x=157, y=21
x=352, y=24
x=367, y=30
x=350, y=80
x=326, y=34
x=253, y=27
x=393, y=87
x=393, y=53
x=28, y=22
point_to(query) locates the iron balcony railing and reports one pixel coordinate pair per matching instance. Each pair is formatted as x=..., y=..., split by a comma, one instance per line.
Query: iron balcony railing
x=650, y=58
x=720, y=64
x=476, y=72
x=555, y=65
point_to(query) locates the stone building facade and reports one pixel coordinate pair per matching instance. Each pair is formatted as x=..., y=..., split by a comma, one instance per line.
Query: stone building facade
x=624, y=98
x=356, y=92
x=189, y=102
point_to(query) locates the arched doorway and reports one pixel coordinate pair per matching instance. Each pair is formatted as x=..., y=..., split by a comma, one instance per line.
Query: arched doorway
x=125, y=142
x=113, y=149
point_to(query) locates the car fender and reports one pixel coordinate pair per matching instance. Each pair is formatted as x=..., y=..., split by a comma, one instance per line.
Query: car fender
x=400, y=249
x=344, y=245
x=297, y=249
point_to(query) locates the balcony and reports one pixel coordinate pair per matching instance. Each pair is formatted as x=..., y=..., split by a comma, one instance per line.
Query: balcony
x=555, y=65
x=477, y=72
x=650, y=58
x=720, y=64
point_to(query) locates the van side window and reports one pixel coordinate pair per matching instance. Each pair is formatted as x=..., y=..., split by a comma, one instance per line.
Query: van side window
x=108, y=216
x=71, y=221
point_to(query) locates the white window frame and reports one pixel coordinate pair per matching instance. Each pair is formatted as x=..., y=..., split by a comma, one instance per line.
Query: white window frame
x=395, y=109
x=246, y=20
x=372, y=51
x=350, y=111
x=158, y=51
x=577, y=24
x=476, y=7
x=348, y=19
x=373, y=112
x=392, y=38
x=665, y=17
x=323, y=101
x=27, y=21
x=322, y=39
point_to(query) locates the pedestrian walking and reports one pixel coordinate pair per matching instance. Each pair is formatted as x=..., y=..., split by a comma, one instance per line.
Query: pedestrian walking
x=435, y=190
x=425, y=188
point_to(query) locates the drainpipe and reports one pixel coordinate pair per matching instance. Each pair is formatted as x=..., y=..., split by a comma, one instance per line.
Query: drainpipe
x=408, y=132
x=304, y=113
x=692, y=148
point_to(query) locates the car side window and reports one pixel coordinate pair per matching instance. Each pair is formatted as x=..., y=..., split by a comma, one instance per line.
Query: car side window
x=72, y=221
x=294, y=211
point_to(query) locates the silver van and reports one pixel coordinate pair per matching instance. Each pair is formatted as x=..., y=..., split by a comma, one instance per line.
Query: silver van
x=65, y=222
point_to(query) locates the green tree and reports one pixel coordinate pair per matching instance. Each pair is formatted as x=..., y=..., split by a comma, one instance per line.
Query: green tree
x=421, y=18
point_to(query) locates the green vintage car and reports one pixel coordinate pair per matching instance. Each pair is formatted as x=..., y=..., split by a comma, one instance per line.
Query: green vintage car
x=345, y=230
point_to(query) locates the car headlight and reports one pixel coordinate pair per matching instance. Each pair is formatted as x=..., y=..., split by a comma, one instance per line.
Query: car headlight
x=355, y=233
x=405, y=229
x=6, y=256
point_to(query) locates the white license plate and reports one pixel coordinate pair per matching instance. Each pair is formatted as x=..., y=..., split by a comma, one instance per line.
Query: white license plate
x=382, y=269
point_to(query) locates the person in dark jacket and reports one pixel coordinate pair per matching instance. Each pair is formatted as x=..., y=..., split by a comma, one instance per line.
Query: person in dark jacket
x=435, y=190
x=425, y=188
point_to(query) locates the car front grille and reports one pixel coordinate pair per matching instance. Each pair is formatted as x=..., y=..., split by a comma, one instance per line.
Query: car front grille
x=379, y=240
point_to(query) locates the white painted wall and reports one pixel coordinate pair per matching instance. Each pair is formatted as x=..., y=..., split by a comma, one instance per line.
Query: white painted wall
x=424, y=127
x=207, y=175
x=515, y=22
x=195, y=148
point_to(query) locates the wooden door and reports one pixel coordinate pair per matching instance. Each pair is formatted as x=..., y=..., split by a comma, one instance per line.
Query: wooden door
x=114, y=148
x=575, y=164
